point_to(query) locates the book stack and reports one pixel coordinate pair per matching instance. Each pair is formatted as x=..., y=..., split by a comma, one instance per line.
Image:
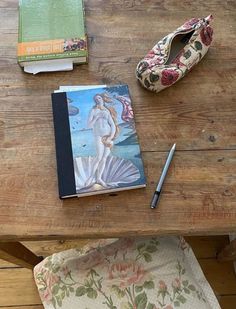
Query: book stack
x=52, y=35
x=97, y=147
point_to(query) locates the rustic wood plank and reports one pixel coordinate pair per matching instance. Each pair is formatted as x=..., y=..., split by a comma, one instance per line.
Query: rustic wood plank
x=199, y=194
x=141, y=5
x=203, y=246
x=17, y=288
x=16, y=253
x=150, y=5
x=227, y=301
x=198, y=113
x=207, y=246
x=5, y=264
x=46, y=248
x=221, y=276
x=193, y=123
x=228, y=253
x=24, y=307
x=192, y=126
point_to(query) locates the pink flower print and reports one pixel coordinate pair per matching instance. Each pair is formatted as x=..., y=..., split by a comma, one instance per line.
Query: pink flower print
x=169, y=77
x=46, y=293
x=39, y=269
x=162, y=286
x=153, y=62
x=68, y=44
x=125, y=273
x=160, y=60
x=120, y=246
x=206, y=35
x=176, y=284
x=89, y=261
x=150, y=55
x=65, y=271
x=126, y=243
x=188, y=24
x=159, y=49
x=110, y=250
x=168, y=307
x=96, y=245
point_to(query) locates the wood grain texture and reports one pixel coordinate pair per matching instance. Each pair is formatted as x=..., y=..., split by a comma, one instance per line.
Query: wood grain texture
x=46, y=248
x=198, y=197
x=5, y=264
x=198, y=113
x=221, y=276
x=228, y=253
x=203, y=246
x=207, y=246
x=227, y=302
x=24, y=307
x=17, y=287
x=15, y=252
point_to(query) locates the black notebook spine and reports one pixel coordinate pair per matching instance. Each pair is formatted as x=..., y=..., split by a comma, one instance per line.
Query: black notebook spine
x=64, y=155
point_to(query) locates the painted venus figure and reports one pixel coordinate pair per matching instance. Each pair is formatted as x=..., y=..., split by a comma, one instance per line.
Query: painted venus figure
x=103, y=122
x=104, y=169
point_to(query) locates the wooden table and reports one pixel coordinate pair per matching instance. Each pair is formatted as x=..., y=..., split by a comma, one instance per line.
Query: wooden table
x=198, y=113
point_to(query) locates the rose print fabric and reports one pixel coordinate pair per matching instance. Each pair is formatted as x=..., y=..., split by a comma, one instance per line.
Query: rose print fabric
x=155, y=74
x=144, y=273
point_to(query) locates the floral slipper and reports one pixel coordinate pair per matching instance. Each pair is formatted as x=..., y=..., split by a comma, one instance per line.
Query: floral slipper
x=173, y=57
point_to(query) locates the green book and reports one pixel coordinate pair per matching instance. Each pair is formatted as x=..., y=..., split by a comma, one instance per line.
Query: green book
x=51, y=30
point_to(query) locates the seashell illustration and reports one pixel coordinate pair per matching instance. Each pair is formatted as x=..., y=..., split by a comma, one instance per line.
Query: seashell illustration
x=117, y=171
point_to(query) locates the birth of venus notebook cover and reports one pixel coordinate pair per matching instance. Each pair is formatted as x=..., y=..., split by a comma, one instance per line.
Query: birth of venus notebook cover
x=96, y=142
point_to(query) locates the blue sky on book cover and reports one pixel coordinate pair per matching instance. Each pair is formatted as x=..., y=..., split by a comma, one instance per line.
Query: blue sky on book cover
x=104, y=141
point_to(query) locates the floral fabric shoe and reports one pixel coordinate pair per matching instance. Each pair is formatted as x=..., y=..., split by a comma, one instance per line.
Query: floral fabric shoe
x=126, y=273
x=173, y=57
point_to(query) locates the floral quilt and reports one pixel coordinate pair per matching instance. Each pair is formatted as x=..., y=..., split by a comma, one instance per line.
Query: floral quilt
x=127, y=273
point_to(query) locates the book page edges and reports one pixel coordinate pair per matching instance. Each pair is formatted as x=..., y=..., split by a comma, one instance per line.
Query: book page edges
x=105, y=191
x=51, y=65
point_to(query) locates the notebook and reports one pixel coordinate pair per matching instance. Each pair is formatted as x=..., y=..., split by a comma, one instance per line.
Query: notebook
x=52, y=35
x=97, y=147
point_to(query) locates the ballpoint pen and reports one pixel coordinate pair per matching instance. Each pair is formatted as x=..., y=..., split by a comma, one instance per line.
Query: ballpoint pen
x=157, y=193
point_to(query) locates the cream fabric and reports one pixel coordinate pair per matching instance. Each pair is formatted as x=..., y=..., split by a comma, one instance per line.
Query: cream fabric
x=143, y=273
